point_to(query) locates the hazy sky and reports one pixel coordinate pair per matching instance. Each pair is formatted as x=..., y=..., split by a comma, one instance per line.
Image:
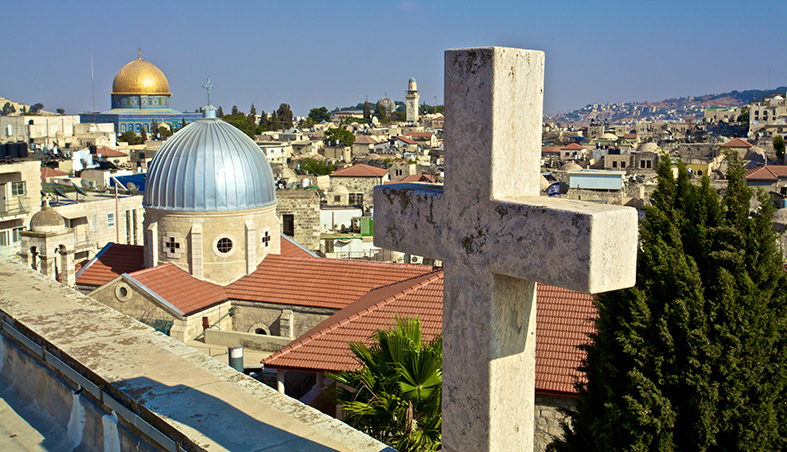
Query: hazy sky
x=311, y=54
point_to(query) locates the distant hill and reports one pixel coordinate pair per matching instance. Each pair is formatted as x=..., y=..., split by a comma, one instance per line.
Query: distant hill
x=676, y=109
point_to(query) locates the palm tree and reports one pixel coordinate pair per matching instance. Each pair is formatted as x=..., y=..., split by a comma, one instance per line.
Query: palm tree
x=396, y=396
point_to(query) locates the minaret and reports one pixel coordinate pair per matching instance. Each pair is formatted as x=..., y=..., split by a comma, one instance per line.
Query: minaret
x=412, y=97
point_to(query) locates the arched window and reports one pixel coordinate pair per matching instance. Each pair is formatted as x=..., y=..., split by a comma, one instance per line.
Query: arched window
x=260, y=331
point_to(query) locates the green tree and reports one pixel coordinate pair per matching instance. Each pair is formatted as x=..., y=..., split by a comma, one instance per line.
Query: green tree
x=164, y=132
x=395, y=397
x=694, y=356
x=8, y=109
x=778, y=146
x=144, y=135
x=220, y=112
x=131, y=138
x=265, y=123
x=253, y=112
x=242, y=122
x=35, y=108
x=340, y=136
x=285, y=116
x=367, y=110
x=235, y=111
x=316, y=115
x=61, y=111
x=316, y=167
x=744, y=117
x=399, y=116
x=381, y=113
x=275, y=121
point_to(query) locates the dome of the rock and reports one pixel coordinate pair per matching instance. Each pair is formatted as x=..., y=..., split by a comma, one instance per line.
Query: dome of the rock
x=209, y=165
x=140, y=77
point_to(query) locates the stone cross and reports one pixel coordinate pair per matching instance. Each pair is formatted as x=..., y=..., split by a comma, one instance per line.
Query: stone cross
x=208, y=87
x=497, y=237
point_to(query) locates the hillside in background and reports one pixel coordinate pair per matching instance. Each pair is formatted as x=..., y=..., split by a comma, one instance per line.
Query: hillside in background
x=677, y=109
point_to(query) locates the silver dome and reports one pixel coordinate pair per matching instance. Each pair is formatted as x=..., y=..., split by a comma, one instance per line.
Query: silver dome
x=208, y=166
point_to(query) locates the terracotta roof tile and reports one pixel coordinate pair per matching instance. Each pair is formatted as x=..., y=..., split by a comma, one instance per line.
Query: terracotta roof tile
x=112, y=261
x=420, y=134
x=290, y=247
x=406, y=140
x=179, y=288
x=324, y=283
x=737, y=143
x=109, y=152
x=564, y=320
x=360, y=170
x=550, y=149
x=572, y=147
x=629, y=136
x=768, y=172
x=47, y=172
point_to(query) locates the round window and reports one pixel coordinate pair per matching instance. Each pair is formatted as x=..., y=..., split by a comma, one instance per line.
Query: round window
x=224, y=245
x=122, y=291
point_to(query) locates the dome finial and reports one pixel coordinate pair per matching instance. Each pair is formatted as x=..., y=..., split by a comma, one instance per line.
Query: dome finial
x=140, y=53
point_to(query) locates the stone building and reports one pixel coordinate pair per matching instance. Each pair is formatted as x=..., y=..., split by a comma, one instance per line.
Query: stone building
x=20, y=185
x=299, y=213
x=360, y=181
x=768, y=116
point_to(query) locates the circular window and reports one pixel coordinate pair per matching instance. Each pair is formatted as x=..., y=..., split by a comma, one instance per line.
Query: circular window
x=224, y=245
x=123, y=292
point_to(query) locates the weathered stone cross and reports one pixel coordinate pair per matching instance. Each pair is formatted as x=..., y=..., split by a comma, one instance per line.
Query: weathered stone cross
x=497, y=237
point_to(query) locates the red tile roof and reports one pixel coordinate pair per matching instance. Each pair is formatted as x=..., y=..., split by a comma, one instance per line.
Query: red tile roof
x=737, y=143
x=550, y=149
x=290, y=247
x=629, y=136
x=107, y=152
x=573, y=147
x=563, y=319
x=360, y=170
x=179, y=288
x=323, y=283
x=47, y=172
x=406, y=140
x=769, y=172
x=112, y=261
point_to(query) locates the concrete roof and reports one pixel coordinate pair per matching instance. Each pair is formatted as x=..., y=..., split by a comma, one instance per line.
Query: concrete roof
x=152, y=380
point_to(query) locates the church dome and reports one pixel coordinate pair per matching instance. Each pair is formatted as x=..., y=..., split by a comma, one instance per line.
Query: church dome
x=208, y=166
x=140, y=77
x=570, y=166
x=47, y=220
x=387, y=103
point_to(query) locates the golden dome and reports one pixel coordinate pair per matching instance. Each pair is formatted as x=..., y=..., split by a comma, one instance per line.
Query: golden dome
x=140, y=77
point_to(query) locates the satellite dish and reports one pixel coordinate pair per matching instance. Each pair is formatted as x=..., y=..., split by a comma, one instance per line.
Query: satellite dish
x=86, y=185
x=58, y=192
x=79, y=190
x=132, y=187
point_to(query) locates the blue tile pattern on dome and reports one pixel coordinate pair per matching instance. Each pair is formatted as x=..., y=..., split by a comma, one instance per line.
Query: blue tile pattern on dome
x=208, y=166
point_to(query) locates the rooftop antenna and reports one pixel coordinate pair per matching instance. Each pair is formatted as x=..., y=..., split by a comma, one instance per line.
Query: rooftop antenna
x=208, y=87
x=93, y=79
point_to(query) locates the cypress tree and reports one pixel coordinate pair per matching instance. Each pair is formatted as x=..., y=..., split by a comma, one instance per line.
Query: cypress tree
x=693, y=357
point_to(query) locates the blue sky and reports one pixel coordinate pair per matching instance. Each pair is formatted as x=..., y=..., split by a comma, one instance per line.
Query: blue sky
x=311, y=54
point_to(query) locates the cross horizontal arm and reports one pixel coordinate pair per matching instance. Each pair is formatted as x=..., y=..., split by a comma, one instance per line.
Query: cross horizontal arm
x=575, y=245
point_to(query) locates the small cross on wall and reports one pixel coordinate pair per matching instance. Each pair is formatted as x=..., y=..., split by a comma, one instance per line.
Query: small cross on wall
x=172, y=246
x=266, y=239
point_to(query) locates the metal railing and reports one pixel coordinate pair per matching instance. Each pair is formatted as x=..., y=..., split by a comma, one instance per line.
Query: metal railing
x=16, y=205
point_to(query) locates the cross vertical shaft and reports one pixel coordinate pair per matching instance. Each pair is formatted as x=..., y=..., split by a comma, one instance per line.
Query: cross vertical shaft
x=497, y=237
